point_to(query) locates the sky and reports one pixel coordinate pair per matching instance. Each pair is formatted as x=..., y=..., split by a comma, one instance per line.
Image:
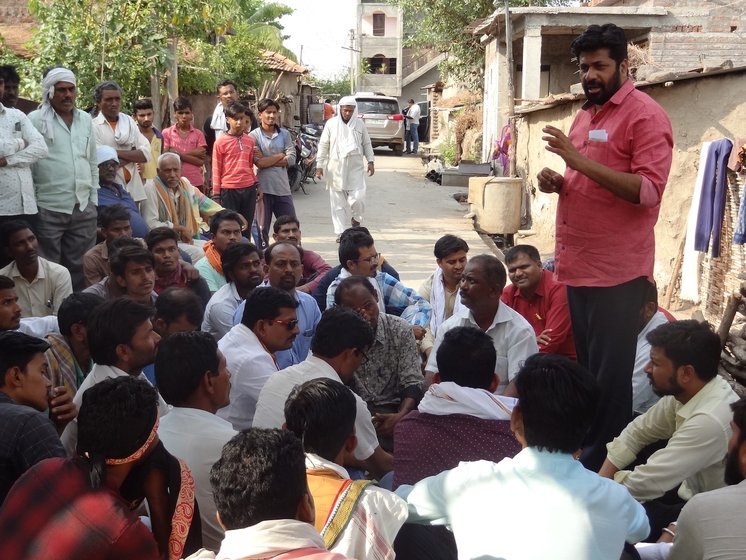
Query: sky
x=322, y=28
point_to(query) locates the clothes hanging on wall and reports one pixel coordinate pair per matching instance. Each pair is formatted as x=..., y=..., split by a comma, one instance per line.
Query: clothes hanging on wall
x=713, y=196
x=690, y=264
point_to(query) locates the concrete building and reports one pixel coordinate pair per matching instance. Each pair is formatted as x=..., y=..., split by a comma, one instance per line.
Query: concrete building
x=678, y=35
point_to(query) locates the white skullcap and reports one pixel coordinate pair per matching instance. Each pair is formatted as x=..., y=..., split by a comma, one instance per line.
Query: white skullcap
x=348, y=100
x=106, y=153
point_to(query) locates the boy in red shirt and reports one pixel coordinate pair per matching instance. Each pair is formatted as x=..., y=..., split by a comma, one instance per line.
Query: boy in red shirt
x=188, y=142
x=234, y=184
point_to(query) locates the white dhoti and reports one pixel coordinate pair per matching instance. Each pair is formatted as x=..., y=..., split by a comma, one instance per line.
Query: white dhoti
x=346, y=206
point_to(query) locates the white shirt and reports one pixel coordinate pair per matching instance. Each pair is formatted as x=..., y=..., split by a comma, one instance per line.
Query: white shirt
x=413, y=112
x=270, y=411
x=642, y=393
x=512, y=336
x=378, y=516
x=97, y=374
x=534, y=506
x=198, y=437
x=21, y=145
x=251, y=366
x=220, y=309
x=44, y=294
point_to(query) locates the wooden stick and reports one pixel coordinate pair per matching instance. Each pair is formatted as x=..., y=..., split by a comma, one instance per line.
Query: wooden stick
x=674, y=274
x=730, y=313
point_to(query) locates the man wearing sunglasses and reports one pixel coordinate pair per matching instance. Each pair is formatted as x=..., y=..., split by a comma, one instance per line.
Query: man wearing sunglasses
x=269, y=324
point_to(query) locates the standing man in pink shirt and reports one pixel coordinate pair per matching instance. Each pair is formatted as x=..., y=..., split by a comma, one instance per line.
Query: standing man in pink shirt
x=187, y=142
x=618, y=155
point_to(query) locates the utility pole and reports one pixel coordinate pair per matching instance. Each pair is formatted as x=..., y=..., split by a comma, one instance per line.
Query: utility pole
x=511, y=89
x=352, y=50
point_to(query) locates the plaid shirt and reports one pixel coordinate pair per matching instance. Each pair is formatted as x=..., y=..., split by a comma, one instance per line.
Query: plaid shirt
x=26, y=437
x=417, y=309
x=52, y=512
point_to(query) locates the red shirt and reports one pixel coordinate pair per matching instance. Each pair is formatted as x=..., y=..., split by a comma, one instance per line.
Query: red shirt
x=233, y=162
x=52, y=512
x=603, y=240
x=194, y=139
x=545, y=309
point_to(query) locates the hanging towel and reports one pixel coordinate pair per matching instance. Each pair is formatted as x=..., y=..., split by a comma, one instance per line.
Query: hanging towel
x=690, y=264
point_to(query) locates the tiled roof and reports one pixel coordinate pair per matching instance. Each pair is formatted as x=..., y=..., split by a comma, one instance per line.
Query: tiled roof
x=276, y=61
x=15, y=36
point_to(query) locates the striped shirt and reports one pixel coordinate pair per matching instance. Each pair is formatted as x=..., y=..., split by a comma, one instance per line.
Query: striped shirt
x=233, y=162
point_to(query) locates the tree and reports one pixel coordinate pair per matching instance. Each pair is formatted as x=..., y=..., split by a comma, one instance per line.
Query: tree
x=441, y=24
x=335, y=87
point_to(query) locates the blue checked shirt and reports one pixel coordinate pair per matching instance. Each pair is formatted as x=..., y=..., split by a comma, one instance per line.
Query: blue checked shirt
x=391, y=294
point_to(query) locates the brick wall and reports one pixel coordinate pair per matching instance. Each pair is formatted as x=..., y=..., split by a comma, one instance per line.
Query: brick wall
x=685, y=51
x=15, y=11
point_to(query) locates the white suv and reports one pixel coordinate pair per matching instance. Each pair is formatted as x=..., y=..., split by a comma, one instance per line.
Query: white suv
x=383, y=119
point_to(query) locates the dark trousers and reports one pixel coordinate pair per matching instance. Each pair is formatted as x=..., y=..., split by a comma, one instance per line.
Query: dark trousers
x=30, y=219
x=241, y=200
x=605, y=323
x=279, y=205
x=424, y=542
x=662, y=511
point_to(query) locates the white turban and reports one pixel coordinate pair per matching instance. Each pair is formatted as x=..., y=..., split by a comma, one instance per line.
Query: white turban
x=349, y=100
x=107, y=153
x=54, y=76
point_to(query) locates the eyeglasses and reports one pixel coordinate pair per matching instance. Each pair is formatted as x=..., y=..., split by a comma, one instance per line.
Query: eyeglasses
x=289, y=325
x=370, y=259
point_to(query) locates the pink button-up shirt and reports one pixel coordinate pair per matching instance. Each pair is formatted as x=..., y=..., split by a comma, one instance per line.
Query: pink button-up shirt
x=603, y=240
x=194, y=139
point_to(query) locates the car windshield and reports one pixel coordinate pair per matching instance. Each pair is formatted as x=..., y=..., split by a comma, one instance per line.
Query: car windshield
x=377, y=106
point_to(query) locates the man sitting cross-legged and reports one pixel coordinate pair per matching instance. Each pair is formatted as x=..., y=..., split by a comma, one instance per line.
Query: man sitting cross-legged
x=540, y=299
x=390, y=378
x=514, y=340
x=269, y=324
x=338, y=348
x=358, y=257
x=543, y=502
x=261, y=493
x=193, y=377
x=287, y=228
x=441, y=287
x=69, y=355
x=356, y=518
x=242, y=267
x=163, y=243
x=693, y=414
x=27, y=434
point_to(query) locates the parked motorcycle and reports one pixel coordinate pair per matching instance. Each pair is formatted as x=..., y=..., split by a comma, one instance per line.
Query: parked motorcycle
x=306, y=146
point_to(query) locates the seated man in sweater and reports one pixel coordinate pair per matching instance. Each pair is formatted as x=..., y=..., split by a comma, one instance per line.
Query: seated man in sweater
x=693, y=415
x=261, y=494
x=543, y=503
x=355, y=518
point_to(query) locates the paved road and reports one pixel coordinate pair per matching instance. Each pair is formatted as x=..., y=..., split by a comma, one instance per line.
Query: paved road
x=405, y=213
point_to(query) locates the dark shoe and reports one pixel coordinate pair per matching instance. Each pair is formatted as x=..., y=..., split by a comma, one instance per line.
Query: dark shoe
x=354, y=222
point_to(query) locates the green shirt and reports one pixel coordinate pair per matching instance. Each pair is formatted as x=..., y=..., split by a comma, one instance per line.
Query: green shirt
x=69, y=174
x=214, y=279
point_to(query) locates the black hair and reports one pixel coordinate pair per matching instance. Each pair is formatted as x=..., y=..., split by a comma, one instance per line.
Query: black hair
x=529, y=250
x=467, y=357
x=234, y=109
x=341, y=329
x=226, y=83
x=494, y=270
x=181, y=363
x=160, y=234
x=6, y=283
x=350, y=245
x=271, y=247
x=98, y=92
x=739, y=419
x=285, y=219
x=10, y=228
x=321, y=412
x=75, y=309
x=141, y=105
x=224, y=216
x=112, y=323
x=119, y=259
x=115, y=419
x=113, y=213
x=122, y=243
x=181, y=103
x=558, y=399
x=260, y=476
x=9, y=74
x=595, y=37
x=449, y=244
x=266, y=102
x=350, y=283
x=17, y=350
x=689, y=343
x=265, y=304
x=175, y=302
x=234, y=253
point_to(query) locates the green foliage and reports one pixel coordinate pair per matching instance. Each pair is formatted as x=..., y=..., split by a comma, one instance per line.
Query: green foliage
x=336, y=87
x=128, y=41
x=448, y=149
x=441, y=24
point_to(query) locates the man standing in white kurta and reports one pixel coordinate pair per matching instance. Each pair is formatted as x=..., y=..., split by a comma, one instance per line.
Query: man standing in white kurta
x=344, y=140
